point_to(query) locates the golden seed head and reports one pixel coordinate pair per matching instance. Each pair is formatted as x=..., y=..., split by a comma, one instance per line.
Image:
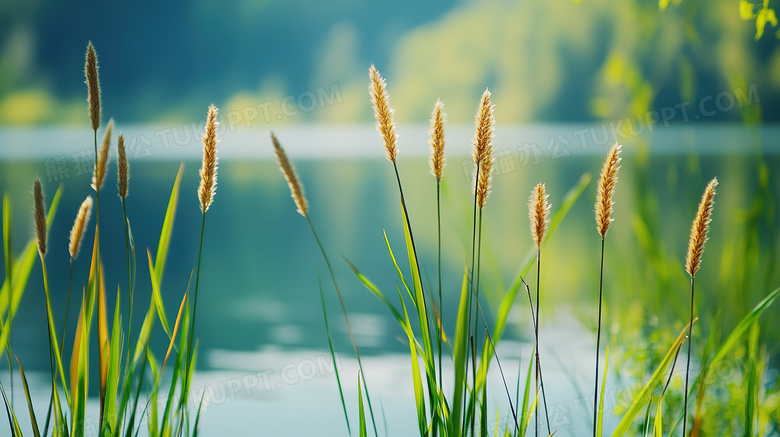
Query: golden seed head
x=437, y=140
x=606, y=189
x=383, y=113
x=483, y=137
x=39, y=215
x=296, y=189
x=208, y=171
x=483, y=148
x=99, y=175
x=699, y=228
x=538, y=209
x=93, y=86
x=123, y=169
x=79, y=225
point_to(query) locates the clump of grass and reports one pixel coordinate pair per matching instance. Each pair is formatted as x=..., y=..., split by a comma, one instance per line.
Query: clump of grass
x=604, y=204
x=699, y=228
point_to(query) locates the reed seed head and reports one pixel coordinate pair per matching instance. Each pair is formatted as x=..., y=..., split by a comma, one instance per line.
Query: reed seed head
x=538, y=210
x=699, y=228
x=483, y=148
x=79, y=225
x=99, y=175
x=208, y=171
x=296, y=189
x=383, y=113
x=93, y=86
x=39, y=215
x=606, y=189
x=483, y=137
x=123, y=169
x=437, y=140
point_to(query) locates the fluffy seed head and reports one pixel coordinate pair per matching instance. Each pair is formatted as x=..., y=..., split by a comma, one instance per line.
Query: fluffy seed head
x=483, y=137
x=208, y=171
x=538, y=209
x=99, y=175
x=296, y=189
x=383, y=113
x=699, y=228
x=123, y=169
x=483, y=148
x=93, y=86
x=79, y=225
x=606, y=189
x=437, y=140
x=39, y=215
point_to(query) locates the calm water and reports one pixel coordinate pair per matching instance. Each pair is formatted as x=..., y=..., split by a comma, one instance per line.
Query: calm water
x=264, y=362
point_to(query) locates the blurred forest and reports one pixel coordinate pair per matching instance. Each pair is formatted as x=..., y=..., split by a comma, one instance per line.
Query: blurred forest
x=557, y=60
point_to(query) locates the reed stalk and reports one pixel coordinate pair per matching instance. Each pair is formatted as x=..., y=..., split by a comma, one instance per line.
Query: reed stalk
x=539, y=209
x=603, y=210
x=699, y=228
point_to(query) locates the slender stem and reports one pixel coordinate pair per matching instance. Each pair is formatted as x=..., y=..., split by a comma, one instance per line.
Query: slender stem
x=598, y=342
x=346, y=319
x=688, y=365
x=9, y=273
x=473, y=261
x=476, y=303
x=67, y=306
x=538, y=360
x=190, y=352
x=129, y=279
x=440, y=324
x=536, y=335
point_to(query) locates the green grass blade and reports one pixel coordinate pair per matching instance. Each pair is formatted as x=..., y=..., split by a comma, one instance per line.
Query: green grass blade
x=600, y=424
x=333, y=357
x=15, y=429
x=460, y=351
x=197, y=416
x=373, y=289
x=419, y=397
x=167, y=229
x=647, y=417
x=742, y=327
x=33, y=420
x=526, y=397
x=640, y=399
x=658, y=423
x=110, y=415
x=156, y=295
x=361, y=410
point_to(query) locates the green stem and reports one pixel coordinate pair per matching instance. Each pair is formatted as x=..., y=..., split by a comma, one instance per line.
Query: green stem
x=688, y=365
x=346, y=320
x=536, y=336
x=129, y=279
x=598, y=342
x=190, y=352
x=440, y=323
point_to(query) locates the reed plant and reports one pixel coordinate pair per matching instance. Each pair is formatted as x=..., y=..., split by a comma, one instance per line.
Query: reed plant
x=604, y=204
x=122, y=368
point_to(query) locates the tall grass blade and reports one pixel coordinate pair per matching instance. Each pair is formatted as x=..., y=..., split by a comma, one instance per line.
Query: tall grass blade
x=33, y=420
x=333, y=355
x=15, y=429
x=157, y=296
x=109, y=423
x=460, y=352
x=600, y=423
x=165, y=235
x=361, y=410
x=644, y=394
x=526, y=396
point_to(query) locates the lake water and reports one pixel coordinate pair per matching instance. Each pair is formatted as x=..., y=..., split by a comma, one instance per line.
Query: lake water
x=264, y=362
